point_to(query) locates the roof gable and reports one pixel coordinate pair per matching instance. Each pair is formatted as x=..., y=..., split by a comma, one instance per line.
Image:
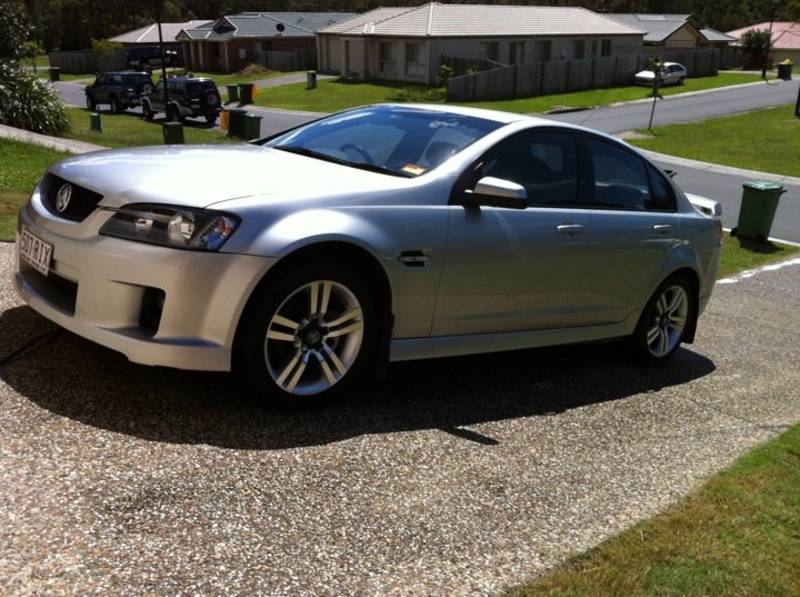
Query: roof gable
x=658, y=27
x=266, y=24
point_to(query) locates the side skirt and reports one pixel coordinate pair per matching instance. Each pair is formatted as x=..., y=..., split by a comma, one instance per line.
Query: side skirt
x=408, y=349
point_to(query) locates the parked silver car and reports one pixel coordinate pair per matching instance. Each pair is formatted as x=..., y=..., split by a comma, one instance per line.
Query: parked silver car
x=672, y=73
x=378, y=234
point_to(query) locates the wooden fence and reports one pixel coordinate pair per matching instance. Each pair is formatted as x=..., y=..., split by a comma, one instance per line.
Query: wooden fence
x=86, y=61
x=545, y=78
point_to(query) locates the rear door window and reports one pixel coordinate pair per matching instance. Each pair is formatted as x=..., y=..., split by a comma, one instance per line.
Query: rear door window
x=620, y=177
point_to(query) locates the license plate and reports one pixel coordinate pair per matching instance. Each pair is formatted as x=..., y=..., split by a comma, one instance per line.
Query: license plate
x=35, y=251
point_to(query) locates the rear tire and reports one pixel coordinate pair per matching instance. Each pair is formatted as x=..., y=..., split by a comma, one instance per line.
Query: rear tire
x=211, y=118
x=116, y=107
x=173, y=114
x=680, y=81
x=90, y=104
x=307, y=336
x=147, y=110
x=668, y=315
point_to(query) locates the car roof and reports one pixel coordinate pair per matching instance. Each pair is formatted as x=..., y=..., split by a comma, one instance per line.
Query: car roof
x=188, y=79
x=495, y=115
x=124, y=72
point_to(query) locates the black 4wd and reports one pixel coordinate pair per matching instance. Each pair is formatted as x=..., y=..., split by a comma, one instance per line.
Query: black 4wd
x=121, y=90
x=188, y=96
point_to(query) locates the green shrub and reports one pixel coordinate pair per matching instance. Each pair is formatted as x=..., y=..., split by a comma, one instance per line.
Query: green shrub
x=419, y=95
x=102, y=47
x=446, y=73
x=30, y=103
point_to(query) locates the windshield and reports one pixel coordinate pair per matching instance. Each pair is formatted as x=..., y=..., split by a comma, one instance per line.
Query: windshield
x=390, y=139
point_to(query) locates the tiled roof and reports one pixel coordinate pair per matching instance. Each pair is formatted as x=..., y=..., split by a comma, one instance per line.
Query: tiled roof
x=785, y=34
x=266, y=24
x=149, y=34
x=658, y=26
x=469, y=20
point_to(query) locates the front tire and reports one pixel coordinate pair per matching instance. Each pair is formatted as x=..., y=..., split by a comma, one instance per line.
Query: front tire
x=211, y=118
x=147, y=110
x=665, y=321
x=308, y=336
x=91, y=105
x=116, y=106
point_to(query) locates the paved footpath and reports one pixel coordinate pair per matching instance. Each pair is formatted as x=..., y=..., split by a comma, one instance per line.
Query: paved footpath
x=458, y=476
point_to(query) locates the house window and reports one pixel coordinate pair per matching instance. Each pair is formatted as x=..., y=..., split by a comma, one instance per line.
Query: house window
x=606, y=48
x=544, y=50
x=489, y=50
x=413, y=61
x=386, y=57
x=578, y=49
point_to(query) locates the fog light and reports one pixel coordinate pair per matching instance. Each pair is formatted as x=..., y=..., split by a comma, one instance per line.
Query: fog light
x=152, y=307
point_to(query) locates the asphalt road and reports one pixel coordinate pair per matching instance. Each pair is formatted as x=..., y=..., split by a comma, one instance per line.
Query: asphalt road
x=725, y=188
x=457, y=476
x=672, y=109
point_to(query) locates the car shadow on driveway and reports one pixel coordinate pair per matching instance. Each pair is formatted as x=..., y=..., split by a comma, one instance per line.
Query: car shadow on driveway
x=75, y=378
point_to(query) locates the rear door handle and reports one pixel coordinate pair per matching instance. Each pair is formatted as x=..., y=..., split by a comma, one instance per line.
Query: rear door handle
x=662, y=228
x=570, y=229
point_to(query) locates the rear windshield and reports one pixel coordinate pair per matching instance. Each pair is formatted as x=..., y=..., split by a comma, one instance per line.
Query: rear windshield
x=197, y=87
x=392, y=139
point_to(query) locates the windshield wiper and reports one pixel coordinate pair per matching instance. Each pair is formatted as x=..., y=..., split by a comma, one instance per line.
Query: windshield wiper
x=329, y=158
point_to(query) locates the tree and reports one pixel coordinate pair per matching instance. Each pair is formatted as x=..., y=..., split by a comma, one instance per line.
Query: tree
x=756, y=44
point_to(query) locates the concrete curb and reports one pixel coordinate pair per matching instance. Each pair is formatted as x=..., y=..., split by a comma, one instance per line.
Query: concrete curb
x=57, y=143
x=698, y=165
x=648, y=100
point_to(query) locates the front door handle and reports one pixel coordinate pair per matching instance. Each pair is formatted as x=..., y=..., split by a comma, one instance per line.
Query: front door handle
x=662, y=229
x=570, y=229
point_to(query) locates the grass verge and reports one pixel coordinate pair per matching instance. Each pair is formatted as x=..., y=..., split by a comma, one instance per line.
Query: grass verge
x=737, y=535
x=334, y=95
x=128, y=129
x=739, y=254
x=766, y=140
x=603, y=97
x=22, y=166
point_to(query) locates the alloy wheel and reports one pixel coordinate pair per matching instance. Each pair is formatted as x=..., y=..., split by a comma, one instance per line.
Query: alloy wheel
x=668, y=322
x=314, y=337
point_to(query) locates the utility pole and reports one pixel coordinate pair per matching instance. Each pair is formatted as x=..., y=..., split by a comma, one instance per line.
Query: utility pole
x=769, y=40
x=656, y=66
x=161, y=53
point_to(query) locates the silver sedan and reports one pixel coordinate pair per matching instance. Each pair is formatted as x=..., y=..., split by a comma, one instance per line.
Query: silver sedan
x=384, y=233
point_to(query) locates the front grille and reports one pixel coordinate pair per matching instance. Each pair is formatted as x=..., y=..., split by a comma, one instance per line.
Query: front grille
x=58, y=291
x=82, y=201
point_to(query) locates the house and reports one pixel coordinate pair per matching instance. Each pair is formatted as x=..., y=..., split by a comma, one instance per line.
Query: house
x=232, y=42
x=148, y=36
x=409, y=44
x=785, y=39
x=663, y=31
x=722, y=42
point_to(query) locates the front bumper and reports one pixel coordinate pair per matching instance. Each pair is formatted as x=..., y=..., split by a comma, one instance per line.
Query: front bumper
x=97, y=289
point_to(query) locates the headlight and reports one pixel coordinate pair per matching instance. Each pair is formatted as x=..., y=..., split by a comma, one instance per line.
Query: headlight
x=179, y=227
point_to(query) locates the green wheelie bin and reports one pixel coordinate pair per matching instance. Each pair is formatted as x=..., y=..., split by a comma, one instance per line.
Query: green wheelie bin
x=233, y=92
x=759, y=203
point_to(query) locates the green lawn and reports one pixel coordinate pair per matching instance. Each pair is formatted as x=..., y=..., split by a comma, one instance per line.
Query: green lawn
x=334, y=95
x=23, y=166
x=737, y=535
x=221, y=79
x=766, y=140
x=128, y=129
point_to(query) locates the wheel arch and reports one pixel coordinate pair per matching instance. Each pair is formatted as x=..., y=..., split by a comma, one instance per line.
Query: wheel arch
x=355, y=257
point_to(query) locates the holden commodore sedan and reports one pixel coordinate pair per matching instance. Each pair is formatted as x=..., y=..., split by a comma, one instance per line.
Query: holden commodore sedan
x=386, y=233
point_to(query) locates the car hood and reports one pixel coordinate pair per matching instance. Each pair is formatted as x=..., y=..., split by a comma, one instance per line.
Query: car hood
x=200, y=175
x=645, y=74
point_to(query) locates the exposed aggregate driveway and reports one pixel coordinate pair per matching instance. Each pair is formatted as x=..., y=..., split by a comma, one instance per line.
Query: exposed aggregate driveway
x=457, y=476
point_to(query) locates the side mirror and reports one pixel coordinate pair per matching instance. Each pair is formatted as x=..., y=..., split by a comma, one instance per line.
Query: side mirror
x=496, y=192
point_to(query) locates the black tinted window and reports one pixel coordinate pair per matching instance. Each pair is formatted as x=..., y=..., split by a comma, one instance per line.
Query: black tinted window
x=545, y=163
x=620, y=177
x=662, y=198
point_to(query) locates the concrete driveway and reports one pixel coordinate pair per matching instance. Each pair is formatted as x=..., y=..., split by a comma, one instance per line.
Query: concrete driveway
x=457, y=476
